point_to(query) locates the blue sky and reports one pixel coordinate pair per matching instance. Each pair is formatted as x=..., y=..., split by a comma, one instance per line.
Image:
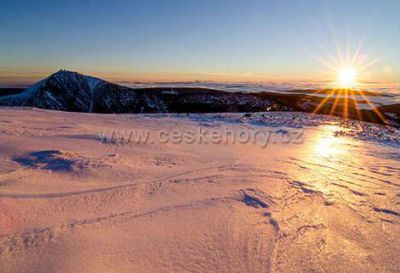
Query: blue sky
x=187, y=40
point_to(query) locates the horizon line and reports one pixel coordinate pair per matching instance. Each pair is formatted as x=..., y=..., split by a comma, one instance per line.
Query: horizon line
x=22, y=79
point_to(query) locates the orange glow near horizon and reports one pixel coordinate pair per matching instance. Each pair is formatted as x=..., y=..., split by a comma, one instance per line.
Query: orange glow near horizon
x=28, y=75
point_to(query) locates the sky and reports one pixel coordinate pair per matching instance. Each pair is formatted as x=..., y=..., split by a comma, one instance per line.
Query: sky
x=185, y=40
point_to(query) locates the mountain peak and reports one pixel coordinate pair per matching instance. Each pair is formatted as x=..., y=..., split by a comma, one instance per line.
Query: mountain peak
x=62, y=90
x=66, y=73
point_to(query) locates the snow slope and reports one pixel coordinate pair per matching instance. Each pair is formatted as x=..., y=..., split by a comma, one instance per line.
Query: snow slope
x=71, y=203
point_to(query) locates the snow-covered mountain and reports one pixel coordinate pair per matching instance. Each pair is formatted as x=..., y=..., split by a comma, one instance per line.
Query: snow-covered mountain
x=72, y=91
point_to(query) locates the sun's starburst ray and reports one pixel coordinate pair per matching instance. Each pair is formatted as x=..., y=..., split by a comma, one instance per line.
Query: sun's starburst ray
x=327, y=64
x=376, y=111
x=346, y=104
x=348, y=50
x=333, y=61
x=339, y=53
x=335, y=103
x=356, y=55
x=323, y=102
x=363, y=67
x=358, y=111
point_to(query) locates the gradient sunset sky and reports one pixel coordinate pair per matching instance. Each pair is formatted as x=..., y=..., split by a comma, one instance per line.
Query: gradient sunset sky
x=218, y=40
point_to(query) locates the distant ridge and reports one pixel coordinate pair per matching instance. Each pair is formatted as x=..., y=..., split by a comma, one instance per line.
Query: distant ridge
x=72, y=91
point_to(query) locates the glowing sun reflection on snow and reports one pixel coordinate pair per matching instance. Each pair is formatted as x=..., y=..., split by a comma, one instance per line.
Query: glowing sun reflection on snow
x=328, y=144
x=327, y=151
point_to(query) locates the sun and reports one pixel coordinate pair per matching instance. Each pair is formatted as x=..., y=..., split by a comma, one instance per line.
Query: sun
x=346, y=73
x=347, y=77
